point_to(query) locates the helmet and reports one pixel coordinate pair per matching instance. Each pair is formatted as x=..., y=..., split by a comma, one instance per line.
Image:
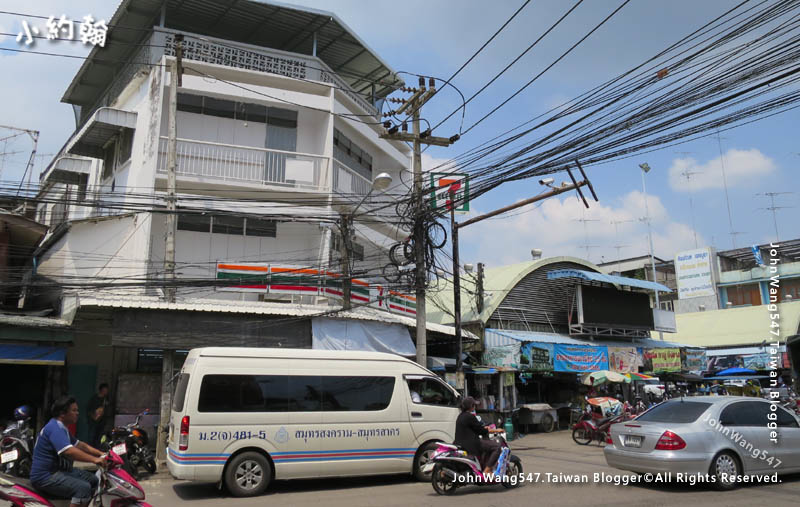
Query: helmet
x=22, y=412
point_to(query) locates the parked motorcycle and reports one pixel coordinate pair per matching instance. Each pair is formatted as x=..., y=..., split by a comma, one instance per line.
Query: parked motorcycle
x=130, y=443
x=451, y=467
x=587, y=429
x=16, y=444
x=115, y=488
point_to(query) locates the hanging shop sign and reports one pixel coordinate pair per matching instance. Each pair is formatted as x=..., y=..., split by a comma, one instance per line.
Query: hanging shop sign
x=760, y=361
x=695, y=272
x=505, y=355
x=536, y=356
x=448, y=186
x=624, y=359
x=662, y=360
x=579, y=358
x=693, y=359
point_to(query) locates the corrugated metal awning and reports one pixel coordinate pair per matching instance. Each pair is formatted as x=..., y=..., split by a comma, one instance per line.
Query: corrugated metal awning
x=504, y=337
x=104, y=124
x=612, y=279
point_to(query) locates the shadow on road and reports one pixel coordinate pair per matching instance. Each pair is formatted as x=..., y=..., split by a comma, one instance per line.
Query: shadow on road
x=201, y=491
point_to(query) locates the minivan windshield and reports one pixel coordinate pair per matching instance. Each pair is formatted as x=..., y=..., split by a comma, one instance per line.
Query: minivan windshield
x=675, y=412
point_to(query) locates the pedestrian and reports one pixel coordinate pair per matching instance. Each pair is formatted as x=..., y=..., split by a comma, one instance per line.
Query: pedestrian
x=97, y=413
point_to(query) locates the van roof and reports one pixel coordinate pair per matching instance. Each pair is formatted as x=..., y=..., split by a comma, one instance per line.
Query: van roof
x=297, y=353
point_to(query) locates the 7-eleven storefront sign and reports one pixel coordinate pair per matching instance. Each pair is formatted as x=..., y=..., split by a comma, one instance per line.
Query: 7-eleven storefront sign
x=273, y=279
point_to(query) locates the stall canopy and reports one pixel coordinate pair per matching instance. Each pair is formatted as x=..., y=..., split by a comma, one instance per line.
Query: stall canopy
x=347, y=334
x=32, y=355
x=601, y=277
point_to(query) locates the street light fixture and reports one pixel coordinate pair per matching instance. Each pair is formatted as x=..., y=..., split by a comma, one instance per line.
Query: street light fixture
x=379, y=183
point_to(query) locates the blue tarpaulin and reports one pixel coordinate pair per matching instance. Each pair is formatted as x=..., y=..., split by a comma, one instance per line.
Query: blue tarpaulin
x=32, y=355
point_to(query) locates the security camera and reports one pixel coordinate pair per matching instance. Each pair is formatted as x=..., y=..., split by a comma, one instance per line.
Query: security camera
x=546, y=182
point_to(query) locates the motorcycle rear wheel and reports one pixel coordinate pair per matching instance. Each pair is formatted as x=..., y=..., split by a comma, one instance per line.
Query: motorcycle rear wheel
x=150, y=466
x=579, y=435
x=441, y=483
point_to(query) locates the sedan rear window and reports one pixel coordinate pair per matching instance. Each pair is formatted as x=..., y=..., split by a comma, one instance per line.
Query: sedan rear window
x=675, y=412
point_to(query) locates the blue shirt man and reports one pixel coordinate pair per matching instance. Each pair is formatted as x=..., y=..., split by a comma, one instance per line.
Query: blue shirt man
x=54, y=452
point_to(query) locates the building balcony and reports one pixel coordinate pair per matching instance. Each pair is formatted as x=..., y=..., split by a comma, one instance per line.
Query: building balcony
x=218, y=163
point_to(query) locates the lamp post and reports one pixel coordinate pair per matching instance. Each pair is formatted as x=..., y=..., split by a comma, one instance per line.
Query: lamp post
x=645, y=167
x=380, y=183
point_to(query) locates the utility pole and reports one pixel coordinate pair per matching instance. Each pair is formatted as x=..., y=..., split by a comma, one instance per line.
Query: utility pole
x=344, y=250
x=167, y=362
x=420, y=96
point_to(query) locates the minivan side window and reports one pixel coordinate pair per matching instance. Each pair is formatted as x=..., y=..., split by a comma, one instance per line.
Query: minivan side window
x=294, y=393
x=180, y=392
x=430, y=391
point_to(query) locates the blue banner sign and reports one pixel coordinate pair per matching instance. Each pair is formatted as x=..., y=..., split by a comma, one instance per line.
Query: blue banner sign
x=579, y=358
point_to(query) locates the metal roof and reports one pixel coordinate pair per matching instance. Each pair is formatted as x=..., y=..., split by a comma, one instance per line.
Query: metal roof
x=269, y=24
x=263, y=308
x=612, y=279
x=104, y=124
x=500, y=337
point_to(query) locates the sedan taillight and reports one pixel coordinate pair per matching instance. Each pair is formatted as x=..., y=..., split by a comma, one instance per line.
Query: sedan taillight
x=669, y=441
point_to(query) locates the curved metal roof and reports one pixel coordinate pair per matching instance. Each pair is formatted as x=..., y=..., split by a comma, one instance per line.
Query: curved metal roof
x=268, y=24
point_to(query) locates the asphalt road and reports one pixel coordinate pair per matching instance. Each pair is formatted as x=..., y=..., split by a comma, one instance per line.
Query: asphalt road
x=553, y=453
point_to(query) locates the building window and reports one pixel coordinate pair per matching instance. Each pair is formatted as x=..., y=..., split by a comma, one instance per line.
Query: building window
x=149, y=360
x=226, y=224
x=351, y=155
x=109, y=156
x=194, y=222
x=744, y=295
x=125, y=146
x=260, y=228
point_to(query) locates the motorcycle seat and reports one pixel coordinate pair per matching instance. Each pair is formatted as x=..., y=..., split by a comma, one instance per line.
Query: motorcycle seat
x=26, y=483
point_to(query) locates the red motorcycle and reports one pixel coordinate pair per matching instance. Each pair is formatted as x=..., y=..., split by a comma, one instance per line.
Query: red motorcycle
x=589, y=429
x=115, y=488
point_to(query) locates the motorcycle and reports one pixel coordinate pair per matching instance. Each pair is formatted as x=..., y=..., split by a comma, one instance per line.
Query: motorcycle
x=451, y=467
x=16, y=444
x=115, y=488
x=587, y=429
x=130, y=443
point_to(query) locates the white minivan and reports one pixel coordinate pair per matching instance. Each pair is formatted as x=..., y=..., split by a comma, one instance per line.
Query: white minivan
x=245, y=416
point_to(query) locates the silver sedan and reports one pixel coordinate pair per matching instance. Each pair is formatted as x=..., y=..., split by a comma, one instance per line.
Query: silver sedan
x=725, y=440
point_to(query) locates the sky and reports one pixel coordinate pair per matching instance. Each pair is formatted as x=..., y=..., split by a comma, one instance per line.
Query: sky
x=434, y=37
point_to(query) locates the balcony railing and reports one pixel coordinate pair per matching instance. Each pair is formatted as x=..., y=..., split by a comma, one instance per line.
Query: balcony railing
x=347, y=181
x=225, y=162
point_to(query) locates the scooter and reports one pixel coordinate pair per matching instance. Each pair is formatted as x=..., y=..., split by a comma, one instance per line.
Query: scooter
x=586, y=430
x=115, y=488
x=16, y=444
x=130, y=442
x=451, y=467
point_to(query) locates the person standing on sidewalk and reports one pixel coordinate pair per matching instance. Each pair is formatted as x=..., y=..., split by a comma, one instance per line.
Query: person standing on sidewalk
x=54, y=452
x=97, y=412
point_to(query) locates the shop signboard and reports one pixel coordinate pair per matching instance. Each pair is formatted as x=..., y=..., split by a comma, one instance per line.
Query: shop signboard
x=579, y=358
x=505, y=355
x=662, y=360
x=694, y=272
x=624, y=359
x=759, y=361
x=693, y=359
x=536, y=356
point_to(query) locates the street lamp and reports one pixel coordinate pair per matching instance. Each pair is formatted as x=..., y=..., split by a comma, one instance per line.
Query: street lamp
x=645, y=167
x=380, y=183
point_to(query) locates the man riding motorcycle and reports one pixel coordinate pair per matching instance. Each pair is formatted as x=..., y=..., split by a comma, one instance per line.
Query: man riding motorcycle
x=468, y=429
x=56, y=449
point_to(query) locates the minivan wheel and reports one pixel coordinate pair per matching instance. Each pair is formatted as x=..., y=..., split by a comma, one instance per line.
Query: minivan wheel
x=248, y=474
x=422, y=458
x=725, y=463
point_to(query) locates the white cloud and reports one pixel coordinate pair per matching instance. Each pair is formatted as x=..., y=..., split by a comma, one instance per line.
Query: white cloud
x=556, y=227
x=741, y=168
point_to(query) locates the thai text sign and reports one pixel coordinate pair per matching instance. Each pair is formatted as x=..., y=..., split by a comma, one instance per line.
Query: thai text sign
x=693, y=359
x=579, y=358
x=695, y=273
x=663, y=359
